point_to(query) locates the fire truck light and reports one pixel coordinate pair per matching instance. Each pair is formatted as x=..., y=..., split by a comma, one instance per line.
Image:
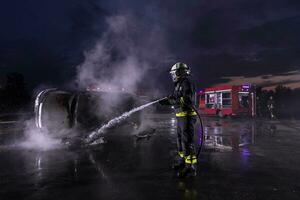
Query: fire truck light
x=245, y=86
x=200, y=92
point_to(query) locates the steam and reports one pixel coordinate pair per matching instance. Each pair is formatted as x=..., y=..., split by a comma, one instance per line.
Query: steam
x=124, y=54
x=121, y=58
x=38, y=139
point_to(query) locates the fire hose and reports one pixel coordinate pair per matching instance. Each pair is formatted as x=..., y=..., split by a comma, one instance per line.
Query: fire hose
x=202, y=132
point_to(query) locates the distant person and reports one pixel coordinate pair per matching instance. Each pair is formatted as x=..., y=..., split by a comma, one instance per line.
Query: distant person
x=182, y=99
x=271, y=107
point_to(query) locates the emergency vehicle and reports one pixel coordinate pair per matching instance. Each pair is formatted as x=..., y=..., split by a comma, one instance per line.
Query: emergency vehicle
x=228, y=100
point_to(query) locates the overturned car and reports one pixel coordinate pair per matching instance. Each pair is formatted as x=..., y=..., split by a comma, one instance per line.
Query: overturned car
x=63, y=113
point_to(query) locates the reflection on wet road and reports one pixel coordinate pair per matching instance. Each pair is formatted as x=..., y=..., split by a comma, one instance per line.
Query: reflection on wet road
x=242, y=159
x=228, y=135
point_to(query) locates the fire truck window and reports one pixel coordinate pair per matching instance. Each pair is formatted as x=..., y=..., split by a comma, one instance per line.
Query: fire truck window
x=226, y=95
x=226, y=103
x=226, y=99
x=219, y=98
x=210, y=100
x=244, y=100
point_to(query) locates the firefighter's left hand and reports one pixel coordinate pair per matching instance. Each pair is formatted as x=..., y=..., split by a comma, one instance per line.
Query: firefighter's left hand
x=172, y=99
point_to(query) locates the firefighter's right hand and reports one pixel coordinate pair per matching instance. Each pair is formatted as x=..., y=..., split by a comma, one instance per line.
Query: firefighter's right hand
x=164, y=101
x=167, y=101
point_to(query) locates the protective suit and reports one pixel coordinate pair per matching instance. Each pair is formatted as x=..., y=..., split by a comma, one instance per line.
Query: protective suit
x=183, y=98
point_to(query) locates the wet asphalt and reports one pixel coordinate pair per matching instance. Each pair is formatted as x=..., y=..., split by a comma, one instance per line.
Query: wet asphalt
x=243, y=159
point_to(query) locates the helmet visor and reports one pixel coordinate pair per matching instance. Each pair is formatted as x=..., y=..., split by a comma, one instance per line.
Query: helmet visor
x=173, y=75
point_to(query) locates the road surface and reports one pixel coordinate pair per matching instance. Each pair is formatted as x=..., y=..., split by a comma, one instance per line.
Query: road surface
x=243, y=159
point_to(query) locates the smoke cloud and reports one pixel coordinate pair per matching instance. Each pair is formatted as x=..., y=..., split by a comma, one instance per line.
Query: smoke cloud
x=38, y=139
x=122, y=57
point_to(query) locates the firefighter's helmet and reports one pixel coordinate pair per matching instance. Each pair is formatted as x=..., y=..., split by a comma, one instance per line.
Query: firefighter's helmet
x=179, y=70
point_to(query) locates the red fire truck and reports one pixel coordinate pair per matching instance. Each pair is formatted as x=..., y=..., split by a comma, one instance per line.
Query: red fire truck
x=228, y=100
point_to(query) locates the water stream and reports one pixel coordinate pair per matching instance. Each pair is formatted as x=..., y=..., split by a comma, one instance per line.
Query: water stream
x=97, y=133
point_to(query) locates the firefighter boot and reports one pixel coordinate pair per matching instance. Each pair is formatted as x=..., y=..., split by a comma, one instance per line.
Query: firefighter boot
x=189, y=169
x=179, y=161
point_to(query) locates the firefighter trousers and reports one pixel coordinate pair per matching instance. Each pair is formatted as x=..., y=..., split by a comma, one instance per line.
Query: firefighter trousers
x=185, y=137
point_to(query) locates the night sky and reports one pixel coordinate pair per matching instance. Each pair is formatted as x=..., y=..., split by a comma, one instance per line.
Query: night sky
x=223, y=41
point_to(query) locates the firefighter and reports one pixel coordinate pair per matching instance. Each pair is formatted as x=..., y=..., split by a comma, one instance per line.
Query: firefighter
x=182, y=99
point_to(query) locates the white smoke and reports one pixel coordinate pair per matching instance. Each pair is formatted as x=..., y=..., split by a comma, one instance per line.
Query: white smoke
x=124, y=54
x=38, y=139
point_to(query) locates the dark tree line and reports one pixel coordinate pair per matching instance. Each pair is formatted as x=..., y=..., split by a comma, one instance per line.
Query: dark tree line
x=285, y=101
x=14, y=95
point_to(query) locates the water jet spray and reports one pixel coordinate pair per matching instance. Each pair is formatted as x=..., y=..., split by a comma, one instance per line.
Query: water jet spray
x=92, y=137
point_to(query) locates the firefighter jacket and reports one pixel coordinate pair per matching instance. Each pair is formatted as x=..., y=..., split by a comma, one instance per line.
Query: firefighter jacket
x=183, y=98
